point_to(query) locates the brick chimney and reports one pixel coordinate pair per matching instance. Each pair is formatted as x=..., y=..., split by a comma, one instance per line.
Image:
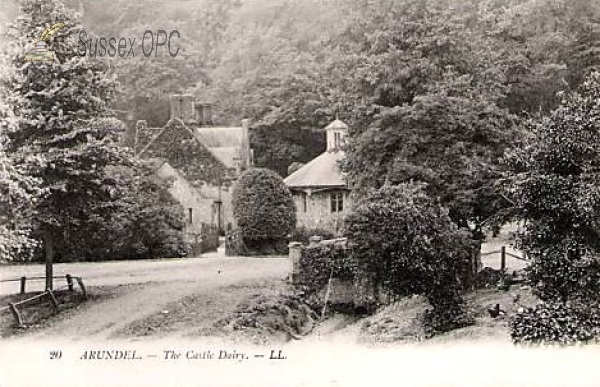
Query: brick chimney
x=182, y=107
x=203, y=113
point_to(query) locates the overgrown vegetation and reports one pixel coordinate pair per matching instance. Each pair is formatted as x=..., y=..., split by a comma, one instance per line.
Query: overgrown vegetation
x=264, y=211
x=408, y=245
x=86, y=193
x=321, y=262
x=556, y=189
x=557, y=322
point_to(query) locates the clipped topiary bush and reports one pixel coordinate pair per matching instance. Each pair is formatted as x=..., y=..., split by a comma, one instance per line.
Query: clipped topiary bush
x=264, y=211
x=563, y=323
x=409, y=245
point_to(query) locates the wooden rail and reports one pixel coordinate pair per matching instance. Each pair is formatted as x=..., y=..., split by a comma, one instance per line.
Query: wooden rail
x=23, y=281
x=503, y=254
x=13, y=306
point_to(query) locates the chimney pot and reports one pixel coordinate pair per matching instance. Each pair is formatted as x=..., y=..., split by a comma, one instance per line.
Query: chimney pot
x=207, y=113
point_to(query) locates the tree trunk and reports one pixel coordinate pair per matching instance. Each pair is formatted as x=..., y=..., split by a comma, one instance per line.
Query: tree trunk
x=49, y=251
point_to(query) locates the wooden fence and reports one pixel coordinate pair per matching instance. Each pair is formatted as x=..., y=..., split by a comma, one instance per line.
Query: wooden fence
x=48, y=293
x=503, y=254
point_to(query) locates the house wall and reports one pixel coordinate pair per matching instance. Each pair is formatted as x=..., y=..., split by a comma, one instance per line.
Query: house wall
x=212, y=192
x=318, y=209
x=200, y=200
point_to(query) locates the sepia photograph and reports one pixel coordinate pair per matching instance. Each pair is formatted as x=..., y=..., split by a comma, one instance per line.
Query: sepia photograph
x=299, y=193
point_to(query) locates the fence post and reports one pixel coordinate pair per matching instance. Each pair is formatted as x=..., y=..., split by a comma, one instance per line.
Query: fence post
x=23, y=284
x=503, y=259
x=53, y=299
x=16, y=313
x=69, y=281
x=295, y=253
x=80, y=282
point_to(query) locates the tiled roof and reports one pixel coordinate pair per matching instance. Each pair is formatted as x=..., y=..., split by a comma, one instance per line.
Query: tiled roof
x=225, y=143
x=221, y=136
x=323, y=171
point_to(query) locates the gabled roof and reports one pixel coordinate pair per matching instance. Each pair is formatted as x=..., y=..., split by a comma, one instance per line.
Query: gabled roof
x=225, y=143
x=337, y=125
x=221, y=136
x=323, y=171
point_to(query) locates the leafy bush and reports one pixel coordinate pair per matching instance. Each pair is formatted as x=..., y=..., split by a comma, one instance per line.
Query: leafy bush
x=264, y=210
x=556, y=276
x=409, y=245
x=145, y=222
x=556, y=191
x=557, y=322
x=303, y=234
x=320, y=262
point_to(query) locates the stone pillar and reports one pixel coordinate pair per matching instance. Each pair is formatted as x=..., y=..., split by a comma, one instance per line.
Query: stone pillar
x=295, y=252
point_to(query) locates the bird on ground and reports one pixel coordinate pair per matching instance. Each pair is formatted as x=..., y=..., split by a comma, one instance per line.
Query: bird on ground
x=496, y=311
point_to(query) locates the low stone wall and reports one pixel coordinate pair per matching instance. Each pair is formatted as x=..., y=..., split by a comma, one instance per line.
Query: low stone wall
x=358, y=291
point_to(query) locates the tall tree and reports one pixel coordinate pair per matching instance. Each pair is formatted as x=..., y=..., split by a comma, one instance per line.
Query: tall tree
x=55, y=139
x=17, y=194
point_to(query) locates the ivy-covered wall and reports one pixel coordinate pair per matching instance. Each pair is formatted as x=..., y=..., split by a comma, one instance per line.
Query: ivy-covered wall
x=200, y=181
x=177, y=145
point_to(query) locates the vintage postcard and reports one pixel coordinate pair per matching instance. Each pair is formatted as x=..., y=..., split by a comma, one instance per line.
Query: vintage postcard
x=299, y=193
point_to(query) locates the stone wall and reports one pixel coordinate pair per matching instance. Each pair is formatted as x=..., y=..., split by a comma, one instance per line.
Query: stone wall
x=358, y=291
x=318, y=210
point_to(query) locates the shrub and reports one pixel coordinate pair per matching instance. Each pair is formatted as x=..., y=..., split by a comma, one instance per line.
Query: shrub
x=320, y=262
x=303, y=234
x=556, y=276
x=409, y=245
x=555, y=190
x=264, y=210
x=556, y=322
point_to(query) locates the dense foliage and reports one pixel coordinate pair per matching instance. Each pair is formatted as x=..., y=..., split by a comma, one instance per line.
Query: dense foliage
x=568, y=323
x=143, y=221
x=453, y=144
x=321, y=262
x=60, y=135
x=54, y=138
x=409, y=245
x=556, y=190
x=16, y=193
x=264, y=210
x=291, y=66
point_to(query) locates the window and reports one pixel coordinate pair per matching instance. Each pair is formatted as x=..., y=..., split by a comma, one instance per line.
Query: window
x=304, y=200
x=337, y=201
x=337, y=140
x=190, y=215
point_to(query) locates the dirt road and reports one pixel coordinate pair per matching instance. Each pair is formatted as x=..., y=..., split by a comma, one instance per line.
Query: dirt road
x=159, y=283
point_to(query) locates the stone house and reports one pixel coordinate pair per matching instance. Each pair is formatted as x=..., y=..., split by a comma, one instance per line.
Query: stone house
x=202, y=161
x=319, y=189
